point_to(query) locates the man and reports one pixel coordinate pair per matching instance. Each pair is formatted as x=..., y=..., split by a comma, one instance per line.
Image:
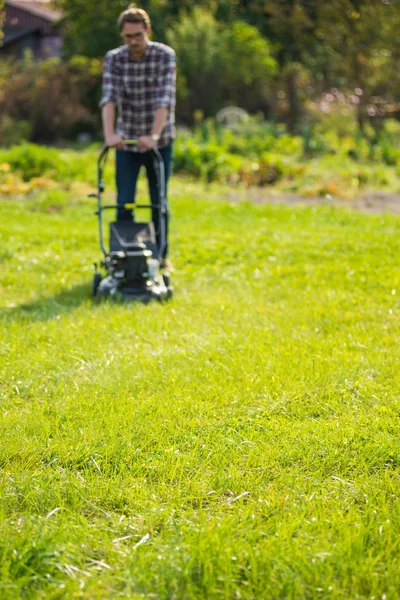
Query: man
x=139, y=84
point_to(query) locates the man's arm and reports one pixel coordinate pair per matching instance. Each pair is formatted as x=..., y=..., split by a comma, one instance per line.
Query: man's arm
x=108, y=117
x=111, y=90
x=160, y=119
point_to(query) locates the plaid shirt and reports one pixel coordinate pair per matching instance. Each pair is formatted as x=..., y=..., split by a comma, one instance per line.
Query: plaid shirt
x=138, y=88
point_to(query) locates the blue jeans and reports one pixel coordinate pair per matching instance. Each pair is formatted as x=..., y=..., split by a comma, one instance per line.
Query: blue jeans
x=127, y=171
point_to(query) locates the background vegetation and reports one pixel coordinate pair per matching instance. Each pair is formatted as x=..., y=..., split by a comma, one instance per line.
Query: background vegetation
x=325, y=164
x=287, y=61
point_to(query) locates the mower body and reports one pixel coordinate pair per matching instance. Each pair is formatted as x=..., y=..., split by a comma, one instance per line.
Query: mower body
x=133, y=272
x=132, y=262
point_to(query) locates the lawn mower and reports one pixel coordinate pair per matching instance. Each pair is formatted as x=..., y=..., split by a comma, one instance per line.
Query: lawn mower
x=132, y=264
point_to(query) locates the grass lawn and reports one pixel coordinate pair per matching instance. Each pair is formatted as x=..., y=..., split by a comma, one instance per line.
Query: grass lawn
x=239, y=442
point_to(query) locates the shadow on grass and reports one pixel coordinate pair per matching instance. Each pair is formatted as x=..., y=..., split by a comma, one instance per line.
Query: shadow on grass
x=47, y=308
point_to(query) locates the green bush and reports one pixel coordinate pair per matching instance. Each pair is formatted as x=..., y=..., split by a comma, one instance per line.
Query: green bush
x=28, y=87
x=12, y=131
x=219, y=64
x=30, y=161
x=389, y=152
x=213, y=163
x=207, y=161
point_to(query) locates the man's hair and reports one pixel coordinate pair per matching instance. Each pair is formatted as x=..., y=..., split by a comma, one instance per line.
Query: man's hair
x=134, y=15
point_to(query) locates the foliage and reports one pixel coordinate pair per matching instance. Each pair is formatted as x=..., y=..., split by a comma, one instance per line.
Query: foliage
x=247, y=66
x=42, y=164
x=362, y=38
x=197, y=43
x=291, y=25
x=344, y=44
x=14, y=131
x=335, y=165
x=90, y=27
x=219, y=64
x=275, y=57
x=33, y=161
x=27, y=87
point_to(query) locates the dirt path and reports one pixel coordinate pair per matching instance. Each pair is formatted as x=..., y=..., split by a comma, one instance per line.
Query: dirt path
x=373, y=202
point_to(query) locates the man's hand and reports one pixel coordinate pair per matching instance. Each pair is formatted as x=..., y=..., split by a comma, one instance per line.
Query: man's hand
x=115, y=141
x=146, y=143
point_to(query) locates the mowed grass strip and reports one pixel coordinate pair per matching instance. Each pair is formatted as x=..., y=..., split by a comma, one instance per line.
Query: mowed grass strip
x=241, y=441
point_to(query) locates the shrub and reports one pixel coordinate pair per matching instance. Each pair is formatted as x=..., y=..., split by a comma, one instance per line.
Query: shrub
x=12, y=131
x=48, y=95
x=211, y=162
x=31, y=161
x=207, y=161
x=219, y=63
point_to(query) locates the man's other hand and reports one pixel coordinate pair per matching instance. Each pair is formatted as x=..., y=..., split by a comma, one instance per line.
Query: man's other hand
x=146, y=143
x=115, y=141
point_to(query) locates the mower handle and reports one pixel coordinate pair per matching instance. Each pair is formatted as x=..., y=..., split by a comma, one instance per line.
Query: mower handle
x=161, y=185
x=101, y=162
x=106, y=148
x=126, y=143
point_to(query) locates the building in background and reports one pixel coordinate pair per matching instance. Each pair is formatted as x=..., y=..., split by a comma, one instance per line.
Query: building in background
x=31, y=25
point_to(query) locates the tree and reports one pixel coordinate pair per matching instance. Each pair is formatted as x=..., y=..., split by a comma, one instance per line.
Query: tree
x=219, y=63
x=26, y=86
x=195, y=39
x=291, y=26
x=247, y=65
x=90, y=26
x=342, y=43
x=362, y=37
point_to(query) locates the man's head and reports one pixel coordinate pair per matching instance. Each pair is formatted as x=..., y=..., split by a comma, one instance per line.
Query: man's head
x=134, y=26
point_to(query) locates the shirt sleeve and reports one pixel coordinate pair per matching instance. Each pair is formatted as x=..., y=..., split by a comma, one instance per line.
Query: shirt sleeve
x=111, y=79
x=167, y=81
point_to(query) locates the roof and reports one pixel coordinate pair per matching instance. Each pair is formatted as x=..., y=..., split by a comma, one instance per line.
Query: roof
x=13, y=36
x=42, y=8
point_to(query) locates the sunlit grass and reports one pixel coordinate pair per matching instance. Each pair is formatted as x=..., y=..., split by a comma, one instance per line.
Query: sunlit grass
x=241, y=441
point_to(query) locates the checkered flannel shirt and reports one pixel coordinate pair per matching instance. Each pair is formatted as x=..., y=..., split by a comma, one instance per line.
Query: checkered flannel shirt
x=138, y=88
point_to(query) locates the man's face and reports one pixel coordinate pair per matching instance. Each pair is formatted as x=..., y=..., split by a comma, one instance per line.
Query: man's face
x=135, y=36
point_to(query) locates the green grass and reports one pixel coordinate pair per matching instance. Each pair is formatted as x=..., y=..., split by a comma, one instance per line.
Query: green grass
x=241, y=441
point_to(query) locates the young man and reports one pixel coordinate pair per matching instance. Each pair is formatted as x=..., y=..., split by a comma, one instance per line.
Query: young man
x=139, y=84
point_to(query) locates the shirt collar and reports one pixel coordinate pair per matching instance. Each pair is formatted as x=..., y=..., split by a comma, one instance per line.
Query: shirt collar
x=145, y=55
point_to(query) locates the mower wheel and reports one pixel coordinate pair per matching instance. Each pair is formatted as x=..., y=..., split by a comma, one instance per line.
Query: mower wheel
x=96, y=283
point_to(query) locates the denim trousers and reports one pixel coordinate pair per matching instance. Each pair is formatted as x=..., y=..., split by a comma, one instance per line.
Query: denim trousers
x=128, y=165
